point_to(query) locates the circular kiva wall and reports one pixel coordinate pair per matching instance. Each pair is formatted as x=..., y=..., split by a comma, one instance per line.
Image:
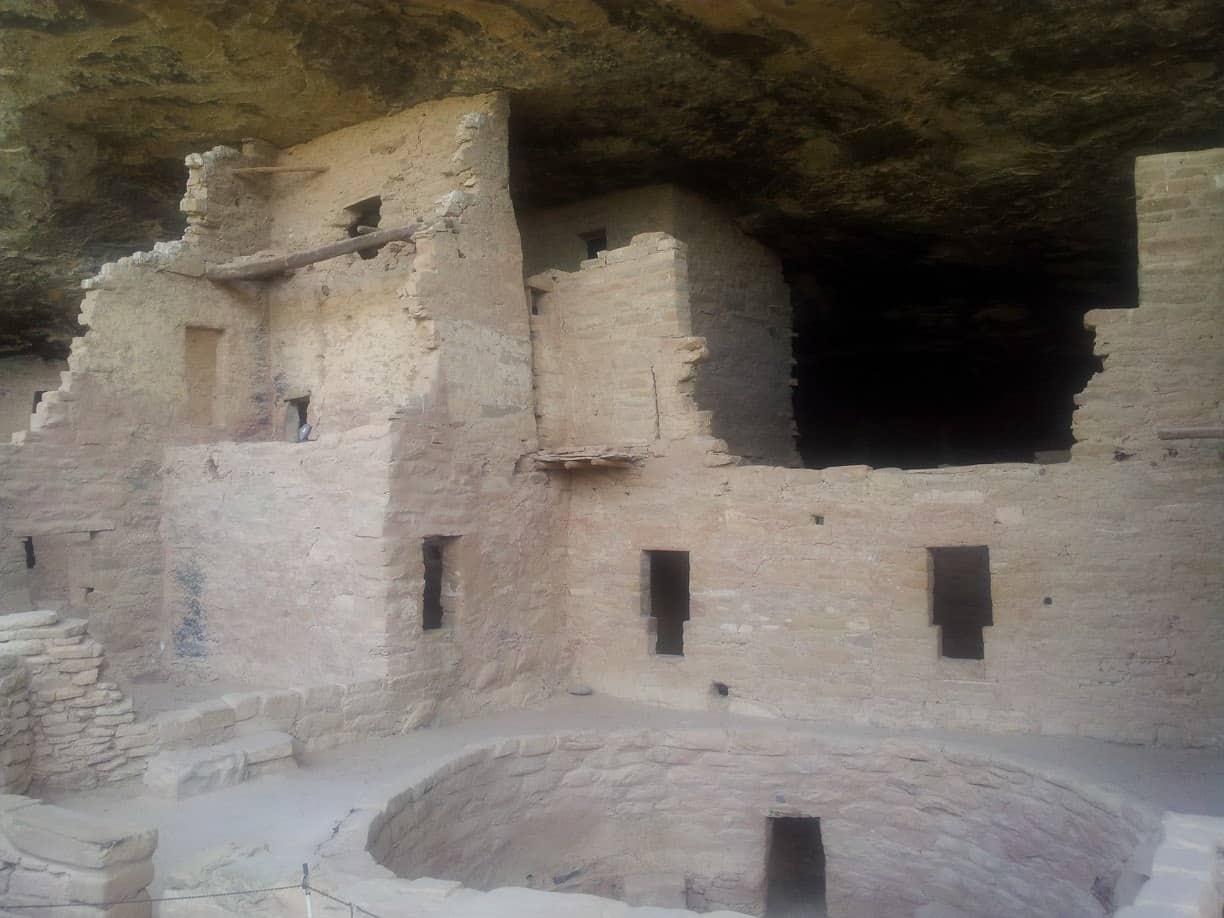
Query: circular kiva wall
x=906, y=827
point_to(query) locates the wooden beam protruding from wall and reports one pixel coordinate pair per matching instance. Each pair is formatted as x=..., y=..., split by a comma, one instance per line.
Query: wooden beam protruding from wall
x=270, y=267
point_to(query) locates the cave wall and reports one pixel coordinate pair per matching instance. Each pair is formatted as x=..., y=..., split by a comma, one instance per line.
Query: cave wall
x=20, y=378
x=811, y=589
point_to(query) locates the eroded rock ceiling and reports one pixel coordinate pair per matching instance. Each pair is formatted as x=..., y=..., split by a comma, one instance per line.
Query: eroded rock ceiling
x=983, y=139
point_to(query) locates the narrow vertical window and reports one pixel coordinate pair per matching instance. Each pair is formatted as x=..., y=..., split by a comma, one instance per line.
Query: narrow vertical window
x=960, y=599
x=668, y=598
x=438, y=590
x=297, y=427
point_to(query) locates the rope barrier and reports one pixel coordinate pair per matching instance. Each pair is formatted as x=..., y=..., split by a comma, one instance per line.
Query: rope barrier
x=241, y=892
x=353, y=908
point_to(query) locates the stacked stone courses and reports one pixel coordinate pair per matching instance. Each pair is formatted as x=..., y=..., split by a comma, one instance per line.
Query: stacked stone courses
x=73, y=728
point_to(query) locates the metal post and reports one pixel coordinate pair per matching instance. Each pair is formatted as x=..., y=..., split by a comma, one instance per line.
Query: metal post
x=306, y=889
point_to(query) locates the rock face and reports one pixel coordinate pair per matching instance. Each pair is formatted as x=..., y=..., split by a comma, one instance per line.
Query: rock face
x=921, y=136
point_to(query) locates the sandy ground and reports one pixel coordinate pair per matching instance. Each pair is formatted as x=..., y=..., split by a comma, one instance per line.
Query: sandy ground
x=292, y=813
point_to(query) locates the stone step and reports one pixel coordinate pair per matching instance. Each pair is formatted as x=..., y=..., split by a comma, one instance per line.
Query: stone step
x=13, y=621
x=186, y=772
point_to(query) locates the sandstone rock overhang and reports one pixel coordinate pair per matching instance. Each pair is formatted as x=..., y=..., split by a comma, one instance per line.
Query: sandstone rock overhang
x=925, y=137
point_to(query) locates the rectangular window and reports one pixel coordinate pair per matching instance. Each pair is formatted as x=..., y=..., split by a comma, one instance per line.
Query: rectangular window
x=296, y=412
x=795, y=868
x=596, y=241
x=202, y=346
x=438, y=553
x=668, y=597
x=960, y=599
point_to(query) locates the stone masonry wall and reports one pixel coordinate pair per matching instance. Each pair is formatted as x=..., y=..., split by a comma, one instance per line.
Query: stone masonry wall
x=811, y=590
x=597, y=333
x=736, y=300
x=1164, y=363
x=68, y=727
x=90, y=462
x=16, y=742
x=417, y=366
x=50, y=856
x=906, y=825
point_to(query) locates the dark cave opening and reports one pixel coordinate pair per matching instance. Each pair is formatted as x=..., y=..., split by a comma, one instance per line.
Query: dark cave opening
x=953, y=340
x=913, y=365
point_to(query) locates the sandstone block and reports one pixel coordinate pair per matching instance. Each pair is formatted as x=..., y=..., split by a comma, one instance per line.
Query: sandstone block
x=21, y=648
x=536, y=745
x=194, y=771
x=37, y=619
x=120, y=882
x=65, y=837
x=280, y=706
x=244, y=704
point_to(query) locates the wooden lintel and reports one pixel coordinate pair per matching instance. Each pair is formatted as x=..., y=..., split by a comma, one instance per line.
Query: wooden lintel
x=276, y=170
x=1191, y=433
x=270, y=267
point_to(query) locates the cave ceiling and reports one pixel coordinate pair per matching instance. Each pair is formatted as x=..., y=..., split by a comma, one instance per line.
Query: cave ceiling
x=976, y=142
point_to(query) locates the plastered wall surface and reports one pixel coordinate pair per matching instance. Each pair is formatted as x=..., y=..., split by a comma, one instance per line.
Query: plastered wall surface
x=734, y=297
x=20, y=378
x=278, y=545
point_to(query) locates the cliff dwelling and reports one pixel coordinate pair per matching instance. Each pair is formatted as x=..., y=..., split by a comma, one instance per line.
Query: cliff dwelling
x=513, y=494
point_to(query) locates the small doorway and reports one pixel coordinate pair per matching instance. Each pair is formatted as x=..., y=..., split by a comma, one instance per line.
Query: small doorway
x=297, y=427
x=795, y=868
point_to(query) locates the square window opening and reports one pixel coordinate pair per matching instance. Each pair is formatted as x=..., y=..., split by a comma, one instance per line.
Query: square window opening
x=438, y=556
x=960, y=599
x=795, y=868
x=667, y=594
x=596, y=241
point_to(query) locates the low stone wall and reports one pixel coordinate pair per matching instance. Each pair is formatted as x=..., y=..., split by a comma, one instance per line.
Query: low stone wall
x=82, y=731
x=16, y=743
x=52, y=856
x=318, y=716
x=906, y=825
